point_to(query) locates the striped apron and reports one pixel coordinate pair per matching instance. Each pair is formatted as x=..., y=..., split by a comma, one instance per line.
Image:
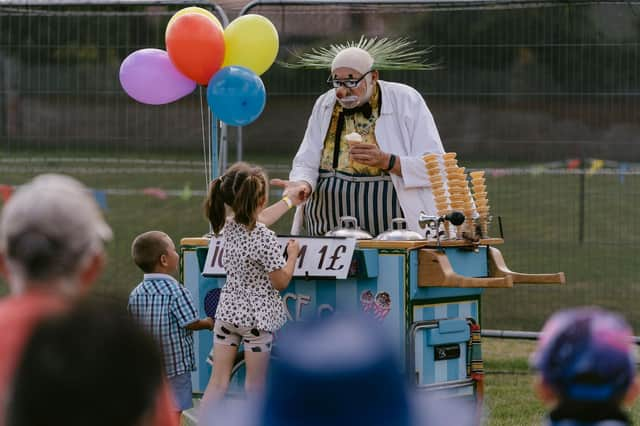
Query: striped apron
x=372, y=200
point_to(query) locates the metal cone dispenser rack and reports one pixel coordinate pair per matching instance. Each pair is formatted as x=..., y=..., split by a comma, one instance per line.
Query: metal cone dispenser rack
x=461, y=199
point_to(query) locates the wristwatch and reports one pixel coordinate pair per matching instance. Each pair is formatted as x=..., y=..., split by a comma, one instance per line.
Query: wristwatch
x=392, y=162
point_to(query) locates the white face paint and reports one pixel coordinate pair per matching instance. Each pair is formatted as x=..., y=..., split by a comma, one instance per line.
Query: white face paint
x=354, y=96
x=353, y=101
x=368, y=79
x=349, y=102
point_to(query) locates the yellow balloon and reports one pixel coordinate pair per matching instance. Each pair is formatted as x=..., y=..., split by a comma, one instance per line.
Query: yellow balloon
x=193, y=9
x=251, y=41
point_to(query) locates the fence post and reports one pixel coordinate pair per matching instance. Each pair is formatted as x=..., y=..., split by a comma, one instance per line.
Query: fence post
x=582, y=200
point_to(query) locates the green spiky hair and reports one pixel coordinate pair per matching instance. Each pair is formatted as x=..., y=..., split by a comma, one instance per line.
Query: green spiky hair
x=388, y=54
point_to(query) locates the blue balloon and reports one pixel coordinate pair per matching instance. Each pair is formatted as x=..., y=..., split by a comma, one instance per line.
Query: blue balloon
x=236, y=95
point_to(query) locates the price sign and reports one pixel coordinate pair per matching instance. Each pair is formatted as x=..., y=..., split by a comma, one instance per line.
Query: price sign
x=318, y=257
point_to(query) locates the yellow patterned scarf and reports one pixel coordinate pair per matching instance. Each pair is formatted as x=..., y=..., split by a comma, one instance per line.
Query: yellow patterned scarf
x=356, y=122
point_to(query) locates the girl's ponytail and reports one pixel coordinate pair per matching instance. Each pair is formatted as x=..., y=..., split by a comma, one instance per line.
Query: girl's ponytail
x=214, y=205
x=243, y=188
x=249, y=197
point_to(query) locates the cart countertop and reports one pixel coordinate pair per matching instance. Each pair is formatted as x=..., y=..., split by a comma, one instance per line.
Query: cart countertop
x=378, y=244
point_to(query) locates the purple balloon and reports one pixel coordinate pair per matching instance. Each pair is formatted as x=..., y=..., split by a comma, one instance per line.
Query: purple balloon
x=148, y=76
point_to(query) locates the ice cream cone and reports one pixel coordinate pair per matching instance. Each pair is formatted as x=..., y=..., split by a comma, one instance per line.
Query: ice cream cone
x=449, y=155
x=430, y=157
x=451, y=163
x=479, y=188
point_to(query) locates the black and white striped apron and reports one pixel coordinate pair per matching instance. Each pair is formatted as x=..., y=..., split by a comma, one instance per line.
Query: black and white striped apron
x=372, y=200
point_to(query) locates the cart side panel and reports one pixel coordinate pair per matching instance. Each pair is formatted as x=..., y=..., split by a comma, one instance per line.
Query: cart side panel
x=428, y=369
x=379, y=293
x=464, y=262
x=199, y=286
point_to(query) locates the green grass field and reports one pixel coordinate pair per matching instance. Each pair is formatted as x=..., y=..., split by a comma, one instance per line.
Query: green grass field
x=540, y=217
x=510, y=400
x=130, y=214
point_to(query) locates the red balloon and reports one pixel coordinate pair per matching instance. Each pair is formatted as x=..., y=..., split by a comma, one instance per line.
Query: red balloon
x=195, y=46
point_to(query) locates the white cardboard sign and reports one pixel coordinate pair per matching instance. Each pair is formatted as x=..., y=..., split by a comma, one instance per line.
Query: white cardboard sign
x=319, y=256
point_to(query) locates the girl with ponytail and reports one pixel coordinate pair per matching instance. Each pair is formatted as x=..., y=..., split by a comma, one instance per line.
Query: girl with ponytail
x=223, y=191
x=250, y=307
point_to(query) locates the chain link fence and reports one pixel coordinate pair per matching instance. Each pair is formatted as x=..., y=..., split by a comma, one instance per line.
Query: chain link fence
x=543, y=95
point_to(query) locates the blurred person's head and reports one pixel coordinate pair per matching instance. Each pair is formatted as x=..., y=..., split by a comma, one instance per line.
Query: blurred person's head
x=52, y=235
x=585, y=356
x=336, y=371
x=155, y=252
x=92, y=365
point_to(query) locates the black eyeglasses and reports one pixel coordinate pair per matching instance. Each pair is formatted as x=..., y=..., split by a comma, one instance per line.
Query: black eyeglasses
x=350, y=83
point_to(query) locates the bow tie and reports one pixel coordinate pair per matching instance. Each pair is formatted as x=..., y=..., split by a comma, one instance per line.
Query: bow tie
x=365, y=109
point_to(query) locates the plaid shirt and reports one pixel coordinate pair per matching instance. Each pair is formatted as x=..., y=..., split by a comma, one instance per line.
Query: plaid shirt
x=165, y=307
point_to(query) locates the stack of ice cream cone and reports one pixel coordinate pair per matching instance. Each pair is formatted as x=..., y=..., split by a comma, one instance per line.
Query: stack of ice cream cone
x=481, y=200
x=458, y=191
x=438, y=190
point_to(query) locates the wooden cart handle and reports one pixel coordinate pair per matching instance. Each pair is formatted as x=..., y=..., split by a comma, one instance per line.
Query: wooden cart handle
x=435, y=270
x=498, y=268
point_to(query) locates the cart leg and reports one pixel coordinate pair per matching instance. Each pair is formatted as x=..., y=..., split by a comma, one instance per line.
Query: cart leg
x=479, y=401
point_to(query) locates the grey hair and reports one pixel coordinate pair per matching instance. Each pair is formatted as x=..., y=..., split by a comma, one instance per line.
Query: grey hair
x=36, y=257
x=49, y=228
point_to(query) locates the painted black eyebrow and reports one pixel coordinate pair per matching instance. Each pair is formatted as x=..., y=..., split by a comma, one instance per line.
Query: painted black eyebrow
x=350, y=77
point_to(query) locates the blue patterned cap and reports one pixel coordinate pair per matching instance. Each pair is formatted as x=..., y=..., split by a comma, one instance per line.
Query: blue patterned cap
x=586, y=354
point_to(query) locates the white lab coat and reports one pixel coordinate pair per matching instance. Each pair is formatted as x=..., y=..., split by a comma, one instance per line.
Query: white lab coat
x=405, y=128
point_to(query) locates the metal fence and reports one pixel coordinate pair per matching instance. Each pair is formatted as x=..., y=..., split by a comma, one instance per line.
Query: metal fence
x=544, y=95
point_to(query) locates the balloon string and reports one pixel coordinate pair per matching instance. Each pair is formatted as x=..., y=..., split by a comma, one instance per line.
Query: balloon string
x=211, y=146
x=207, y=176
x=207, y=169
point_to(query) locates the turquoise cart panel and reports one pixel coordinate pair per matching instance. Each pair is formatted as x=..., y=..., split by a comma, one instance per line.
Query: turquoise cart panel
x=475, y=266
x=377, y=289
x=203, y=340
x=451, y=318
x=383, y=284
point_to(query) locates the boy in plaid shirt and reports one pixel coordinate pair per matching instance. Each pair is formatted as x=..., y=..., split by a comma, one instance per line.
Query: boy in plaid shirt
x=166, y=309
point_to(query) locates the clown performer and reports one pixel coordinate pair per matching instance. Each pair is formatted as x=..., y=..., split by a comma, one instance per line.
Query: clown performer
x=381, y=177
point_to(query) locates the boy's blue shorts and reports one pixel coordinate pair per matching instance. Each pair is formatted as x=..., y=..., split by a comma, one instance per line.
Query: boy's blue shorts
x=181, y=387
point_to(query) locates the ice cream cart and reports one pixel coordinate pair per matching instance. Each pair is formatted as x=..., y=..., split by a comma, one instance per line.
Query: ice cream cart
x=425, y=293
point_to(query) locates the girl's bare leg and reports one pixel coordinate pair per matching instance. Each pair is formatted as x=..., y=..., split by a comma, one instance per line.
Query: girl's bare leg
x=257, y=364
x=223, y=359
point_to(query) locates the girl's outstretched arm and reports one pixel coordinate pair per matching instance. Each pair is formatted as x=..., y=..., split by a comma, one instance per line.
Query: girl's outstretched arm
x=271, y=214
x=280, y=278
x=290, y=199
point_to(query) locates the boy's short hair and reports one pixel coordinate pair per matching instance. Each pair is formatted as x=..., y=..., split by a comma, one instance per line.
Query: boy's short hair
x=586, y=355
x=147, y=248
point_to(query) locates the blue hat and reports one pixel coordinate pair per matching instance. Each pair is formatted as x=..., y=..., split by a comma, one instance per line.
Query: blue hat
x=586, y=354
x=335, y=372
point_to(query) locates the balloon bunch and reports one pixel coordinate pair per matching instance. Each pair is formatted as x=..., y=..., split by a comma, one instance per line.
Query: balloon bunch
x=199, y=51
